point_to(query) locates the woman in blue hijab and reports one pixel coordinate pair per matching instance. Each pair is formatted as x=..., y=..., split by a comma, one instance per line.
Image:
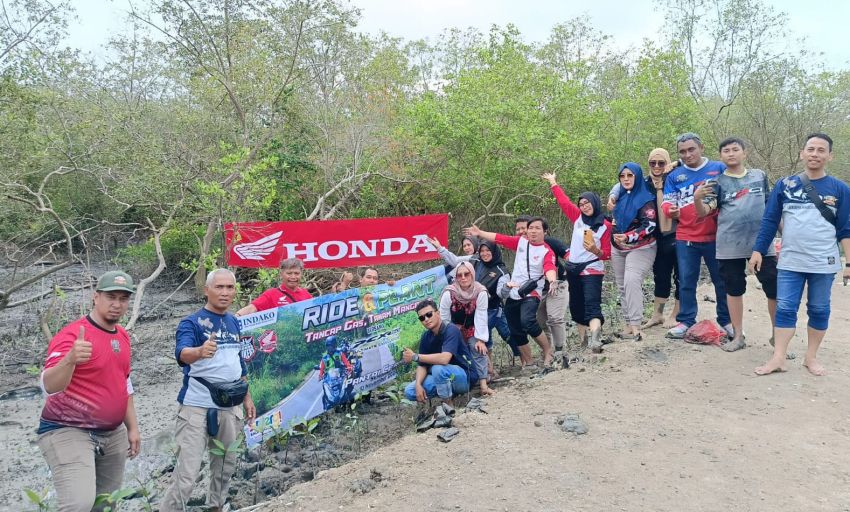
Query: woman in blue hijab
x=633, y=244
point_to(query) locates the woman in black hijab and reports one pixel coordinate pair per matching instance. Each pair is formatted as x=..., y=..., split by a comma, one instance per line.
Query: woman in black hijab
x=589, y=247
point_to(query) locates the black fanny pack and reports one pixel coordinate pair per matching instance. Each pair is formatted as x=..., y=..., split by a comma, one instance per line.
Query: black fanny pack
x=227, y=394
x=527, y=287
x=577, y=268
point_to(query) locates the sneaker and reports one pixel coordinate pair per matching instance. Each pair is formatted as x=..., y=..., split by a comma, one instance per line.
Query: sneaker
x=678, y=332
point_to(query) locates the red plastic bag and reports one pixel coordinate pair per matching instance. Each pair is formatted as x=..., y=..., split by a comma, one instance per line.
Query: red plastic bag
x=706, y=332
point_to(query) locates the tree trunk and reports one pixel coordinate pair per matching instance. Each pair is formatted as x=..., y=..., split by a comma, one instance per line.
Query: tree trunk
x=201, y=274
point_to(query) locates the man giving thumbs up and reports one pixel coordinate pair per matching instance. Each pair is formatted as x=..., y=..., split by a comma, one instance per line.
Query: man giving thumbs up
x=88, y=425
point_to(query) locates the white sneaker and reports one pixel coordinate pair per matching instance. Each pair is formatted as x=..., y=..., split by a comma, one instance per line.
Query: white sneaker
x=678, y=332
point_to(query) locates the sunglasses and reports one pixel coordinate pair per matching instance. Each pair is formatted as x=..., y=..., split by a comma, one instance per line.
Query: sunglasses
x=627, y=175
x=464, y=274
x=657, y=163
x=425, y=316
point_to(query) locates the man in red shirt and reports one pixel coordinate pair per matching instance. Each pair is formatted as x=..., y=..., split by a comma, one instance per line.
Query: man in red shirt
x=88, y=425
x=289, y=291
x=534, y=261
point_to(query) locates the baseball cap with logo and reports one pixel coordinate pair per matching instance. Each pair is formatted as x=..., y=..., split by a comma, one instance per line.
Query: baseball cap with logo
x=115, y=280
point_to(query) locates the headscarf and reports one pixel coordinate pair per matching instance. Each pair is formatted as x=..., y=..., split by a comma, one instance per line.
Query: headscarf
x=494, y=250
x=659, y=154
x=631, y=201
x=470, y=294
x=598, y=218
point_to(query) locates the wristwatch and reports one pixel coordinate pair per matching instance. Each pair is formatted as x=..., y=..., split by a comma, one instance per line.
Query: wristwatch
x=416, y=358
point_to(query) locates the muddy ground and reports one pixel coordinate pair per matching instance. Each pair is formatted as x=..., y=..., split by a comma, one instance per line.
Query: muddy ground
x=157, y=379
x=671, y=427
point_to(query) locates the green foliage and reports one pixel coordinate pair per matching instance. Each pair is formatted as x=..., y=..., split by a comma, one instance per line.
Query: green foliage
x=220, y=450
x=111, y=502
x=39, y=500
x=178, y=244
x=238, y=111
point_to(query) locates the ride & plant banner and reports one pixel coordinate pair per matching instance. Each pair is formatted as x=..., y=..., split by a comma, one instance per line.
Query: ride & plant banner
x=311, y=356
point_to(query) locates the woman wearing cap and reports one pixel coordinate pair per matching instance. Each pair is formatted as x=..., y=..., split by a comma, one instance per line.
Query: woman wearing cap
x=465, y=303
x=633, y=241
x=589, y=246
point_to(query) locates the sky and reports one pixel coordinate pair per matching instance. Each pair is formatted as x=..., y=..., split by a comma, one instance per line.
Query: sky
x=822, y=24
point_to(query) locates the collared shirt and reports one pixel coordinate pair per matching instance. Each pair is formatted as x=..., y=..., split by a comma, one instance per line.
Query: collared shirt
x=280, y=296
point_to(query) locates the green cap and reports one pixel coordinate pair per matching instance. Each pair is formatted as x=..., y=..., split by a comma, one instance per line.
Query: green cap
x=115, y=280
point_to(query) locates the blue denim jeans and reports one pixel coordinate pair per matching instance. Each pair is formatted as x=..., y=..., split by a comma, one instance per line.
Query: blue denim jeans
x=789, y=291
x=689, y=255
x=496, y=319
x=442, y=380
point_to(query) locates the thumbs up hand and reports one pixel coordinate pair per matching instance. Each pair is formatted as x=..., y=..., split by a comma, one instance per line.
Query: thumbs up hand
x=209, y=347
x=81, y=350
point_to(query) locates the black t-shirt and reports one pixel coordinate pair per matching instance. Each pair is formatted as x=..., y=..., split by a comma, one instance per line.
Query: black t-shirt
x=448, y=340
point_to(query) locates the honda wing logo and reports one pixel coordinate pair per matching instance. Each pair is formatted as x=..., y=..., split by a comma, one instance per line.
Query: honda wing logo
x=260, y=249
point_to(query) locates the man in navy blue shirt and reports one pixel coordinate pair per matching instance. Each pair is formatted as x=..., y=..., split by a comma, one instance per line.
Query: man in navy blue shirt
x=208, y=348
x=811, y=231
x=444, y=363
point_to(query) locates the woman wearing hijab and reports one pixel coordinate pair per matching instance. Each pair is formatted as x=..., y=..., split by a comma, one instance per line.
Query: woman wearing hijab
x=589, y=246
x=666, y=265
x=633, y=241
x=465, y=303
x=469, y=248
x=491, y=272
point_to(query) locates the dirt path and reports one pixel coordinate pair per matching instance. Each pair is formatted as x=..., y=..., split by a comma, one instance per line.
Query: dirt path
x=671, y=427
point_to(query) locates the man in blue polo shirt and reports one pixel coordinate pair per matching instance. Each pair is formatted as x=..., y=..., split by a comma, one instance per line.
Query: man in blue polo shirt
x=814, y=218
x=444, y=362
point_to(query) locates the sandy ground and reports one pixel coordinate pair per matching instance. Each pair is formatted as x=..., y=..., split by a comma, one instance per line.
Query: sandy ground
x=671, y=427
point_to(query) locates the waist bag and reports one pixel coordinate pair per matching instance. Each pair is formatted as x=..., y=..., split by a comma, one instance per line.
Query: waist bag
x=227, y=394
x=577, y=268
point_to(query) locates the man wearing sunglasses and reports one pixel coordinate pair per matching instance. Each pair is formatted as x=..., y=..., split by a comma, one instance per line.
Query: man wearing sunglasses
x=444, y=363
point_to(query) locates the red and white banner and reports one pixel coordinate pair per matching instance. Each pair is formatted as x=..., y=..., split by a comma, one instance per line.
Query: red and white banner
x=336, y=243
